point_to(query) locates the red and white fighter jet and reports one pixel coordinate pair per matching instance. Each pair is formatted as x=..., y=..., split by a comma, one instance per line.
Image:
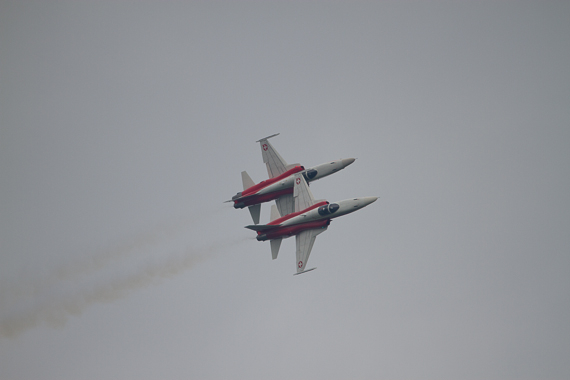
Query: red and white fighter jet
x=309, y=219
x=279, y=186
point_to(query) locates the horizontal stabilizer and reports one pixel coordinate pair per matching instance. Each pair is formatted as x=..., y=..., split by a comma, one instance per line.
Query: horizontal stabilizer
x=262, y=227
x=305, y=271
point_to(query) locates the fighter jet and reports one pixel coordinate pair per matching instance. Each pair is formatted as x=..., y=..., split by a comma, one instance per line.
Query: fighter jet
x=309, y=219
x=279, y=186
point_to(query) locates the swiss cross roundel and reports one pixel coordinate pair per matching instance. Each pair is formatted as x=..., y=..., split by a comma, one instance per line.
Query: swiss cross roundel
x=264, y=146
x=298, y=181
x=300, y=264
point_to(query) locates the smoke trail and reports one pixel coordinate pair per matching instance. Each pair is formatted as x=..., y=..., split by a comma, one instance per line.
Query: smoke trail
x=86, y=265
x=71, y=295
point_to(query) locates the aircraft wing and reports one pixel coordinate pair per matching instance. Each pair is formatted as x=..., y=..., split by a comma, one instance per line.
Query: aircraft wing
x=305, y=241
x=285, y=204
x=301, y=193
x=276, y=165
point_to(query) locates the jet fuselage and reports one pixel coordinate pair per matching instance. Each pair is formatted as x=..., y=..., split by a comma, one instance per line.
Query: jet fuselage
x=276, y=187
x=318, y=215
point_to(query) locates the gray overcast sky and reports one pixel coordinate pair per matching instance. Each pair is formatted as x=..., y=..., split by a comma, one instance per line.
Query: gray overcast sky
x=125, y=125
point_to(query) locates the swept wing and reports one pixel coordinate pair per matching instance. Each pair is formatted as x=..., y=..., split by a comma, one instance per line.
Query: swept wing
x=285, y=204
x=303, y=198
x=302, y=195
x=305, y=241
x=276, y=165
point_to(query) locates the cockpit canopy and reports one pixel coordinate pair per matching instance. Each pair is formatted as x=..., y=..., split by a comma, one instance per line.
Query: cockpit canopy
x=310, y=174
x=328, y=209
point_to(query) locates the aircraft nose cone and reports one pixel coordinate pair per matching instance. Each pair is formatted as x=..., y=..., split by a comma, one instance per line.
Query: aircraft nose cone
x=347, y=161
x=368, y=200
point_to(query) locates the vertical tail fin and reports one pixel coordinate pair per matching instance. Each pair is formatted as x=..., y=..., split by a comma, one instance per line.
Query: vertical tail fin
x=275, y=244
x=255, y=211
x=274, y=213
x=247, y=181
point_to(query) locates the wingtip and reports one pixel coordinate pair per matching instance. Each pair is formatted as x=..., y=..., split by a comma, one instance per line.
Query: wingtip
x=268, y=137
x=305, y=271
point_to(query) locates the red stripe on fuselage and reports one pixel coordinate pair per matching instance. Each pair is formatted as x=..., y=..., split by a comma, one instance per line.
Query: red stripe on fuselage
x=255, y=199
x=281, y=232
x=289, y=216
x=255, y=188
